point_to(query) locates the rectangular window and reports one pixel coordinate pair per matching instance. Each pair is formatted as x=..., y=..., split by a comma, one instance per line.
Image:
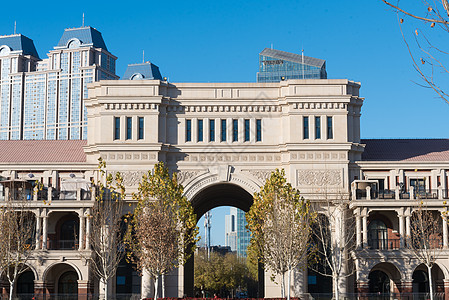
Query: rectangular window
x=317, y=127
x=129, y=128
x=305, y=127
x=330, y=133
x=258, y=130
x=200, y=130
x=235, y=130
x=211, y=130
x=140, y=128
x=116, y=128
x=247, y=130
x=223, y=130
x=188, y=130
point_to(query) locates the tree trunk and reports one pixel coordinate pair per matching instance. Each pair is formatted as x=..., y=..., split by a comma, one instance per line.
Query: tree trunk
x=335, y=287
x=429, y=270
x=163, y=285
x=106, y=289
x=283, y=285
x=289, y=283
x=156, y=284
x=11, y=289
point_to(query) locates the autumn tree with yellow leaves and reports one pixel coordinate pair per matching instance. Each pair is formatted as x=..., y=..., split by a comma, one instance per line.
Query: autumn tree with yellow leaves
x=280, y=224
x=164, y=225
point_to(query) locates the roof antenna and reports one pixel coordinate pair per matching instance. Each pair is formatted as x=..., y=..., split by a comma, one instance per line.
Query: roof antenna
x=83, y=19
x=271, y=46
x=15, y=26
x=143, y=56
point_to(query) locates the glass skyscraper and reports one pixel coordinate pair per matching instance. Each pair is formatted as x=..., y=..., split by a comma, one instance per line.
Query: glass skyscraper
x=275, y=66
x=236, y=235
x=43, y=98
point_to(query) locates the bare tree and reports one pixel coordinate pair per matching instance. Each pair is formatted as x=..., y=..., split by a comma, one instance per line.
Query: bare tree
x=425, y=239
x=430, y=58
x=280, y=224
x=106, y=236
x=333, y=233
x=164, y=225
x=17, y=234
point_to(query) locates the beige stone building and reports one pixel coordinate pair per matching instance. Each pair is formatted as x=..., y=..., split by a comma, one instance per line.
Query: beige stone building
x=224, y=139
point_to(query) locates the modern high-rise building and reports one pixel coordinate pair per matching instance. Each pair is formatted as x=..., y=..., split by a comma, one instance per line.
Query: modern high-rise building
x=43, y=98
x=276, y=65
x=236, y=235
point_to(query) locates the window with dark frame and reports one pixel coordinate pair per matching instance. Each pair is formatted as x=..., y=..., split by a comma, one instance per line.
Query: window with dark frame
x=223, y=130
x=200, y=130
x=211, y=130
x=317, y=127
x=141, y=128
x=188, y=130
x=305, y=127
x=258, y=130
x=235, y=130
x=129, y=128
x=330, y=133
x=116, y=128
x=247, y=130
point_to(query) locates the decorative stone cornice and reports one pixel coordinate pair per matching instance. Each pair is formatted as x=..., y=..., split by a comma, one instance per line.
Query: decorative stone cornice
x=319, y=177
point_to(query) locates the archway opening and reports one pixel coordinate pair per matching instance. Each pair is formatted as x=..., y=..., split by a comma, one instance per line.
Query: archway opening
x=379, y=283
x=25, y=285
x=68, y=285
x=421, y=281
x=222, y=194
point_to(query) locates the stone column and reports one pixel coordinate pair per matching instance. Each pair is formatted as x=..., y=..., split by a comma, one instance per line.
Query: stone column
x=407, y=225
x=38, y=232
x=358, y=225
x=49, y=194
x=44, y=232
x=365, y=230
x=81, y=234
x=83, y=289
x=39, y=290
x=87, y=232
x=446, y=289
x=401, y=231
x=444, y=231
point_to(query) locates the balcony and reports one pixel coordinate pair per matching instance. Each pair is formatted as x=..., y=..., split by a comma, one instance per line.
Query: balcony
x=384, y=244
x=367, y=190
x=63, y=244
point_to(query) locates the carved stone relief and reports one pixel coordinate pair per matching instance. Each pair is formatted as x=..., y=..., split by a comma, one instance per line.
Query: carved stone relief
x=319, y=177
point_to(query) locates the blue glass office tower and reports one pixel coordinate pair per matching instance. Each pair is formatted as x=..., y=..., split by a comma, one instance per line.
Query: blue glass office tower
x=236, y=235
x=275, y=65
x=43, y=98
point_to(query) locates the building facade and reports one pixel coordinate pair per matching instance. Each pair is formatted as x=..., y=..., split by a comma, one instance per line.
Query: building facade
x=224, y=139
x=236, y=235
x=276, y=65
x=44, y=98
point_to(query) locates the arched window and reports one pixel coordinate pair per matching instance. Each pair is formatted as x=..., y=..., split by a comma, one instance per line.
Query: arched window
x=68, y=285
x=420, y=282
x=377, y=235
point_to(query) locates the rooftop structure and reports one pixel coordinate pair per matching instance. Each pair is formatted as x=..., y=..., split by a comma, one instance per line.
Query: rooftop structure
x=276, y=65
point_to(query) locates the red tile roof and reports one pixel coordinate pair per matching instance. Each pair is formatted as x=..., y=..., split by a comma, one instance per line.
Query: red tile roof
x=406, y=150
x=40, y=151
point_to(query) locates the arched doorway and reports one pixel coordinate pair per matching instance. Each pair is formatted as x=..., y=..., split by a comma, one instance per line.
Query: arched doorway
x=420, y=282
x=68, y=285
x=25, y=285
x=379, y=283
x=220, y=194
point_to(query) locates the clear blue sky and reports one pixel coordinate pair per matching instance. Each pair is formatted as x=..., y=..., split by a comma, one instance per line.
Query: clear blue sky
x=219, y=41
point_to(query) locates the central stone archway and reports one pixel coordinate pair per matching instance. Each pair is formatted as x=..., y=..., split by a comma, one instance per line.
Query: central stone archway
x=215, y=195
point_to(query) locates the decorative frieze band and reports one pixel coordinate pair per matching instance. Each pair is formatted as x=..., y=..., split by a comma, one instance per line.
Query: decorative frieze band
x=319, y=177
x=130, y=178
x=320, y=105
x=224, y=108
x=314, y=155
x=129, y=156
x=131, y=106
x=225, y=157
